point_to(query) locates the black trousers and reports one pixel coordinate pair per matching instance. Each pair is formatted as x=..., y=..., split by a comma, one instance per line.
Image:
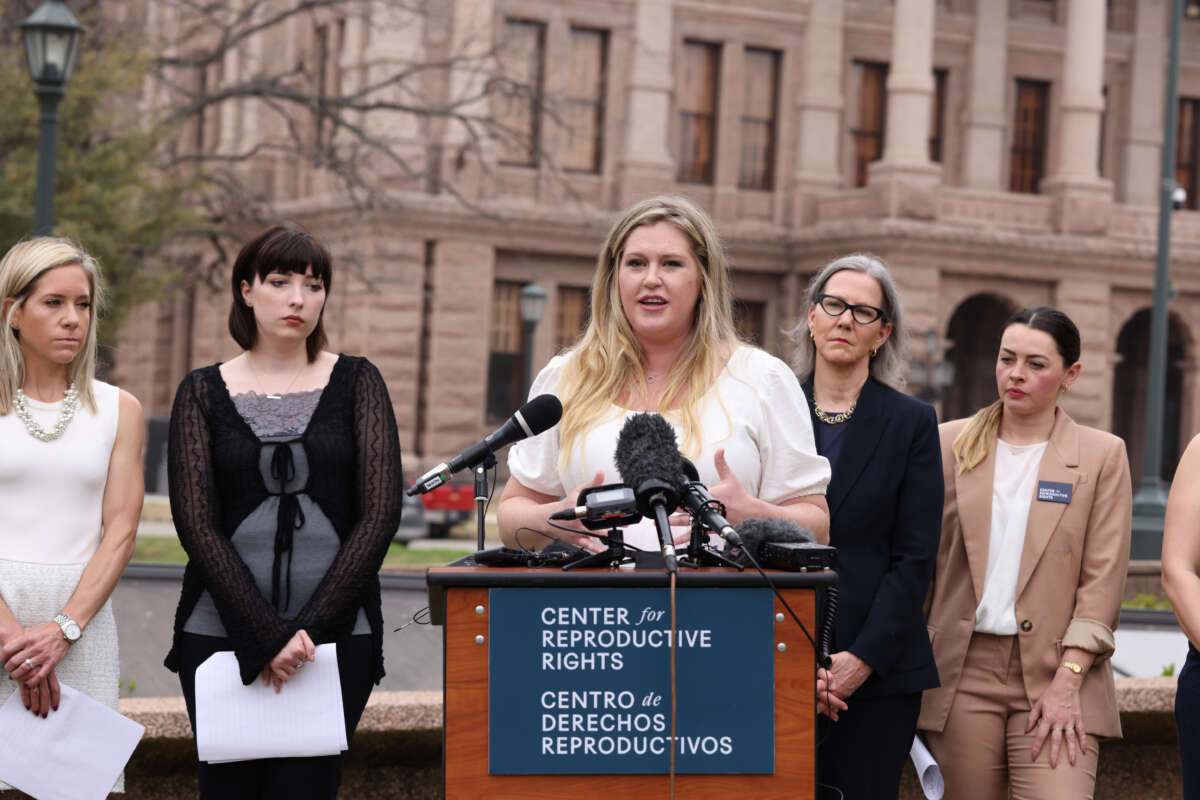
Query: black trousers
x=1187, y=723
x=318, y=777
x=860, y=757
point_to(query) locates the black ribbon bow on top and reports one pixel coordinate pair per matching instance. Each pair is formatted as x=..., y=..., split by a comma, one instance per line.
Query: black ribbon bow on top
x=289, y=519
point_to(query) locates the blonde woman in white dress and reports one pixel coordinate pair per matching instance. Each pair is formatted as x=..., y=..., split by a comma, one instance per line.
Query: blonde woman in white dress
x=71, y=484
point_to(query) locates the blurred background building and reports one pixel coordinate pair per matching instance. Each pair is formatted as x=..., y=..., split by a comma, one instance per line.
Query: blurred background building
x=997, y=153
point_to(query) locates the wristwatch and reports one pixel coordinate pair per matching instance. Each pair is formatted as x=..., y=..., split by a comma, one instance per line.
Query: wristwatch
x=1071, y=665
x=70, y=628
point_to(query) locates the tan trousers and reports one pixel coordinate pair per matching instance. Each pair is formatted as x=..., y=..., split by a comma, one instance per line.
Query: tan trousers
x=984, y=750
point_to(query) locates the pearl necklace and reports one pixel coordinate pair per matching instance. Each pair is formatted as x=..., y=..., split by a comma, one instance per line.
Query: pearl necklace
x=833, y=419
x=70, y=404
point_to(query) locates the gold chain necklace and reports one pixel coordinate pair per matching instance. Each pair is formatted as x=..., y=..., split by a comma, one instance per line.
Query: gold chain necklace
x=834, y=419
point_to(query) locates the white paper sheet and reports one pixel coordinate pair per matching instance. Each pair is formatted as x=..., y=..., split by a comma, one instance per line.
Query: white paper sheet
x=928, y=770
x=240, y=723
x=75, y=753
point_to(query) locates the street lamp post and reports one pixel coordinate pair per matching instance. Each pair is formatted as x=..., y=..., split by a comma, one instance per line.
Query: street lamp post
x=932, y=374
x=1150, y=501
x=51, y=35
x=533, y=306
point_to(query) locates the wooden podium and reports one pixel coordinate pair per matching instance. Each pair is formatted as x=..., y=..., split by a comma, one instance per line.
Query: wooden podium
x=459, y=600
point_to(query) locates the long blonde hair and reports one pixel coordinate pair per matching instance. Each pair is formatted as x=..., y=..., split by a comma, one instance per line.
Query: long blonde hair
x=975, y=439
x=609, y=358
x=20, y=270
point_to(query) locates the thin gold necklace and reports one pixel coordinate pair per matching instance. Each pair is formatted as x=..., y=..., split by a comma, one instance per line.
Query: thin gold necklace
x=258, y=380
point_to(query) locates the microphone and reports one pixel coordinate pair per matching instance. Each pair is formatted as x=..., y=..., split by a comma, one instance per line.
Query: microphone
x=609, y=506
x=781, y=544
x=700, y=504
x=539, y=414
x=648, y=459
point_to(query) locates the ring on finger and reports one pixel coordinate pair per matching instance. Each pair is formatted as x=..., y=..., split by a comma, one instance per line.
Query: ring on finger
x=30, y=664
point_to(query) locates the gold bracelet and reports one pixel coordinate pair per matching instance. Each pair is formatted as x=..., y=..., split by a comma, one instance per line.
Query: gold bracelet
x=1071, y=665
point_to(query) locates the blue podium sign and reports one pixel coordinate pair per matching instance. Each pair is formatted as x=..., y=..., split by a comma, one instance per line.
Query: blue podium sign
x=579, y=681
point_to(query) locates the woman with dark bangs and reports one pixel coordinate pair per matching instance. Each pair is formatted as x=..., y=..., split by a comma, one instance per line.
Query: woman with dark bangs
x=284, y=472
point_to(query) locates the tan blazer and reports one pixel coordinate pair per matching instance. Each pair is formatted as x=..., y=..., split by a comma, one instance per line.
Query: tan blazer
x=1072, y=573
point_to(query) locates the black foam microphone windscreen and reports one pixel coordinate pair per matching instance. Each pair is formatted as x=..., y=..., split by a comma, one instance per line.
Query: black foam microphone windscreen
x=756, y=531
x=648, y=459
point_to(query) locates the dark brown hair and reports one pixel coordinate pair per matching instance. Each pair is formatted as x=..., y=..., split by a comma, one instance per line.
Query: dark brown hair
x=973, y=441
x=281, y=249
x=1055, y=323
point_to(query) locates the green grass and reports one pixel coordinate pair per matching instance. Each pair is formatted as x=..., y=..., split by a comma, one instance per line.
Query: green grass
x=158, y=550
x=167, y=550
x=1148, y=601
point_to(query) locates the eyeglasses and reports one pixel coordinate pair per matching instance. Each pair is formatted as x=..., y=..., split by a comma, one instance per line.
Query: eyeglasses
x=836, y=306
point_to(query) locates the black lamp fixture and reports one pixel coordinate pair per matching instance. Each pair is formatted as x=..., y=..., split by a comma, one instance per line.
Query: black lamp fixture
x=51, y=35
x=533, y=307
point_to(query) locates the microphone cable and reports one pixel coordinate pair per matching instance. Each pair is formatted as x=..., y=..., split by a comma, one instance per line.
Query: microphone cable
x=816, y=649
x=828, y=621
x=674, y=694
x=601, y=537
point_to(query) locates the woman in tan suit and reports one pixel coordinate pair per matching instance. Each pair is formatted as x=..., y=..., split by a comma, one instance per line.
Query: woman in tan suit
x=1028, y=582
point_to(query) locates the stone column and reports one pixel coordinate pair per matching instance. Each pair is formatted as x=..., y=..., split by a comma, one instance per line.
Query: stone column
x=471, y=42
x=1083, y=199
x=731, y=85
x=910, y=84
x=1088, y=304
x=646, y=165
x=983, y=162
x=819, y=110
x=457, y=376
x=905, y=180
x=1147, y=83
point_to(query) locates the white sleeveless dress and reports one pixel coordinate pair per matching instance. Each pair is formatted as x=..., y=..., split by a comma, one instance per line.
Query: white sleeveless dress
x=51, y=500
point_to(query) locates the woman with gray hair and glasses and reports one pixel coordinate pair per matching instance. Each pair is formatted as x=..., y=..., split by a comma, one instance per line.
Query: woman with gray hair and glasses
x=885, y=504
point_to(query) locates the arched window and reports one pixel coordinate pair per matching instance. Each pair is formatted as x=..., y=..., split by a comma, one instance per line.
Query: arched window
x=974, y=332
x=1130, y=381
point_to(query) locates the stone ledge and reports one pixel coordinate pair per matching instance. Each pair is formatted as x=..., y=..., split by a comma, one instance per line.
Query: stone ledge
x=1146, y=695
x=421, y=712
x=397, y=749
x=166, y=717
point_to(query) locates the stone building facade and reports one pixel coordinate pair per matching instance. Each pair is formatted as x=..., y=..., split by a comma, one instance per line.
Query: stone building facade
x=997, y=153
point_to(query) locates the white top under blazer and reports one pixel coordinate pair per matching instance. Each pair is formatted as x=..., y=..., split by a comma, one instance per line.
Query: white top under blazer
x=52, y=493
x=756, y=410
x=1012, y=493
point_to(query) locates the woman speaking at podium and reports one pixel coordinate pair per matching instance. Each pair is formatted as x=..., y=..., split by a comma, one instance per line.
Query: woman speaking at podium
x=1028, y=583
x=885, y=501
x=661, y=338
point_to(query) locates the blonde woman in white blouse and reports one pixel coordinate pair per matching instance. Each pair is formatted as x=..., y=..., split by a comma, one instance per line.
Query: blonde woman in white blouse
x=70, y=480
x=1028, y=582
x=661, y=338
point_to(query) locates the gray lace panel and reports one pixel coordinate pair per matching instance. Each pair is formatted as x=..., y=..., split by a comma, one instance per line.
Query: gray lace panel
x=272, y=418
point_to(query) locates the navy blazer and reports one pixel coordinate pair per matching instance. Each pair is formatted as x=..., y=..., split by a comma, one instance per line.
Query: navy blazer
x=885, y=505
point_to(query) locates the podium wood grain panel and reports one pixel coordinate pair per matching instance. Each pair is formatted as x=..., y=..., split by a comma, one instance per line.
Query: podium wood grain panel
x=466, y=721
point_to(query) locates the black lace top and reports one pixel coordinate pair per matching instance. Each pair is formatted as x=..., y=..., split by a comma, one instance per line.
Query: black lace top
x=215, y=482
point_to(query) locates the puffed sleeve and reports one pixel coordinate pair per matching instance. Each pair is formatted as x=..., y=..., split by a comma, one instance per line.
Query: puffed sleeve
x=1105, y=559
x=254, y=628
x=534, y=461
x=791, y=465
x=379, y=487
